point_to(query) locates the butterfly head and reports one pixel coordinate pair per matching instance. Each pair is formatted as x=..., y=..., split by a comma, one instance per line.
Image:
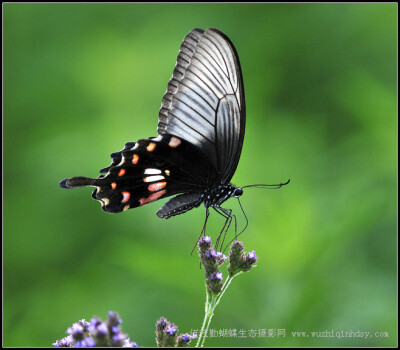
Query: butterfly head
x=237, y=192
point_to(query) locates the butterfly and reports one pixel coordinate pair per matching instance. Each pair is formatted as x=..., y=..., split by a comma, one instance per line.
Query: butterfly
x=201, y=127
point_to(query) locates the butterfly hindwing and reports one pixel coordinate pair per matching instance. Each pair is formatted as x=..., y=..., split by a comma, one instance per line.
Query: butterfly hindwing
x=148, y=170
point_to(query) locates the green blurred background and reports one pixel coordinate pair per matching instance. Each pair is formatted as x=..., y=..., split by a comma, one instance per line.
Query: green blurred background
x=80, y=80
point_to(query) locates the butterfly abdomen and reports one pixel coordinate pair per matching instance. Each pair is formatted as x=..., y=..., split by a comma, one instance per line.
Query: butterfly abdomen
x=180, y=204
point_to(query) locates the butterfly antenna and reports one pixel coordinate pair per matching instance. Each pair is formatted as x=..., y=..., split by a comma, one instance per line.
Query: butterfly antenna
x=271, y=187
x=247, y=220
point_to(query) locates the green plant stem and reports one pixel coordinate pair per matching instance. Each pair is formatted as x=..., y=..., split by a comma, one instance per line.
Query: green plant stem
x=211, y=303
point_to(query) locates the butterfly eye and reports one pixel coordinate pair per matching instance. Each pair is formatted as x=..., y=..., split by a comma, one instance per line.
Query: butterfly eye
x=238, y=192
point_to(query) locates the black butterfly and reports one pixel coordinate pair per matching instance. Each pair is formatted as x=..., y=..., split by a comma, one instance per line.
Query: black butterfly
x=201, y=127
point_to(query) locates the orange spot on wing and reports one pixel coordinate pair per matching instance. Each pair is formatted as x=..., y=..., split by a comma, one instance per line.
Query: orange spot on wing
x=121, y=172
x=157, y=186
x=113, y=185
x=135, y=159
x=126, y=207
x=153, y=197
x=151, y=146
x=174, y=142
x=126, y=195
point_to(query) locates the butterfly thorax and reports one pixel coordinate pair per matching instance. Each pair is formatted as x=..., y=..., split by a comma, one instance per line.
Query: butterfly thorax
x=218, y=194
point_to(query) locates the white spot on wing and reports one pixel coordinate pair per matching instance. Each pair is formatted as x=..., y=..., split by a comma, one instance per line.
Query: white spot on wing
x=158, y=138
x=153, y=178
x=152, y=171
x=122, y=161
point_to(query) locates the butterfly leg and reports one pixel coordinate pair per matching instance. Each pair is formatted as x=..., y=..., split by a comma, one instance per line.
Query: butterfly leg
x=227, y=214
x=203, y=231
x=237, y=235
x=227, y=218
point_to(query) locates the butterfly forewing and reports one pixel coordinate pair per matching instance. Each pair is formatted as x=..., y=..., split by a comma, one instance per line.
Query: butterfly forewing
x=204, y=103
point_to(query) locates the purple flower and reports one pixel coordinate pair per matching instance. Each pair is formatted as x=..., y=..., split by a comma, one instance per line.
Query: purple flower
x=204, y=243
x=211, y=261
x=115, y=329
x=171, y=330
x=249, y=261
x=166, y=335
x=113, y=319
x=170, y=335
x=89, y=342
x=97, y=328
x=129, y=344
x=160, y=327
x=206, y=239
x=76, y=331
x=184, y=340
x=214, y=254
x=217, y=276
x=118, y=338
x=221, y=258
x=102, y=328
x=85, y=343
x=96, y=334
x=64, y=342
x=238, y=261
x=252, y=255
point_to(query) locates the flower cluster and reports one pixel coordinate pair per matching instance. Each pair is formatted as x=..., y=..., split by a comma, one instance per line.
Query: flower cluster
x=211, y=261
x=167, y=335
x=239, y=261
x=96, y=333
